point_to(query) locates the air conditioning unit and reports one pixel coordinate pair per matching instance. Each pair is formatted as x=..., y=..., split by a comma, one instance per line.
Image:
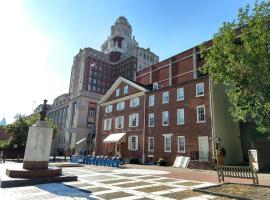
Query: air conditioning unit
x=155, y=86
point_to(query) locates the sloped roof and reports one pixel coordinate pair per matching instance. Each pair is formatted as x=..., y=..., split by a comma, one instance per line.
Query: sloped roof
x=117, y=83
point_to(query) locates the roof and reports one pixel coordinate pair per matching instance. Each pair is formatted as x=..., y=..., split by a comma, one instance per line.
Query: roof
x=120, y=79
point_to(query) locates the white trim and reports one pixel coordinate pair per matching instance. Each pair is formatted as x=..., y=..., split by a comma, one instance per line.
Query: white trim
x=116, y=122
x=105, y=128
x=165, y=137
x=122, y=98
x=151, y=150
x=178, y=149
x=163, y=95
x=178, y=116
x=177, y=91
x=167, y=134
x=137, y=119
x=115, y=86
x=130, y=142
x=202, y=106
x=152, y=96
x=151, y=114
x=198, y=84
x=163, y=118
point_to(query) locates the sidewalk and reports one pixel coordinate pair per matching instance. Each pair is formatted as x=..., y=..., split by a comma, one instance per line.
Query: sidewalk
x=200, y=175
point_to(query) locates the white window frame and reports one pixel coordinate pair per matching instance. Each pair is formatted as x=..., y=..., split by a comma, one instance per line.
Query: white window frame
x=151, y=100
x=153, y=140
x=198, y=117
x=136, y=115
x=149, y=117
x=130, y=146
x=135, y=102
x=163, y=97
x=178, y=116
x=178, y=92
x=163, y=117
x=105, y=124
x=167, y=136
x=120, y=105
x=178, y=141
x=126, y=89
x=117, y=92
x=108, y=108
x=117, y=120
x=197, y=87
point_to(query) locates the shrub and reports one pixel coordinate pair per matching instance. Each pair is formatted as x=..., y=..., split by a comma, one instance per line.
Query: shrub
x=161, y=162
x=134, y=161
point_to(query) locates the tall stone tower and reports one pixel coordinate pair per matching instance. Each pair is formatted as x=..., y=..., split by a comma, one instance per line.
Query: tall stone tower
x=120, y=41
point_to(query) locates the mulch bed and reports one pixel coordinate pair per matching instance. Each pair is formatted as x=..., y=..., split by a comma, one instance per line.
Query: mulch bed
x=182, y=194
x=238, y=191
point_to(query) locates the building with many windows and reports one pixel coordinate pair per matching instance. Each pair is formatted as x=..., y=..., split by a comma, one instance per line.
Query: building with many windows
x=170, y=110
x=92, y=74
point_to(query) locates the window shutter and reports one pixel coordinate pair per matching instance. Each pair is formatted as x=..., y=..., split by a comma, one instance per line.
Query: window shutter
x=129, y=143
x=137, y=142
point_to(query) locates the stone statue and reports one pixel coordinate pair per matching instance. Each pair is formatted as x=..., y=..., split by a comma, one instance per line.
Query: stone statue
x=44, y=110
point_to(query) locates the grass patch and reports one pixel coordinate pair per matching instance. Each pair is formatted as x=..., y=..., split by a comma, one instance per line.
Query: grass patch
x=3, y=143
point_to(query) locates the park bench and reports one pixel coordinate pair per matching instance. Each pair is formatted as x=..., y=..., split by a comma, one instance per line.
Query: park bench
x=237, y=172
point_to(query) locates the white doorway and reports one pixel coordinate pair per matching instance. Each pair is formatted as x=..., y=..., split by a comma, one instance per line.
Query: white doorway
x=203, y=148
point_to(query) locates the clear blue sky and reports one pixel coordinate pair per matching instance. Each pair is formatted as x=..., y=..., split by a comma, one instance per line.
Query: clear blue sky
x=48, y=34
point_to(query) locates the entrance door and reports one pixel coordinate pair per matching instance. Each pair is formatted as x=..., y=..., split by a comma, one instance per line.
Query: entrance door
x=203, y=148
x=118, y=149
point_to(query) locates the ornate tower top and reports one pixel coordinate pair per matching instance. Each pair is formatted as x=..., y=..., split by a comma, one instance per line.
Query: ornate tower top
x=121, y=28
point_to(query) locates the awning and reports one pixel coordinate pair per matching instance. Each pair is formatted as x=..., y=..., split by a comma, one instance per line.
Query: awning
x=115, y=138
x=80, y=141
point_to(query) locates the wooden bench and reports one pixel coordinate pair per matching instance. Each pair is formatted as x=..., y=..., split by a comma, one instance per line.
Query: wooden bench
x=237, y=172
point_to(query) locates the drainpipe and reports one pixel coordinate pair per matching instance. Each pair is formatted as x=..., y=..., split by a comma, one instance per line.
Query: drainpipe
x=96, y=123
x=144, y=113
x=212, y=117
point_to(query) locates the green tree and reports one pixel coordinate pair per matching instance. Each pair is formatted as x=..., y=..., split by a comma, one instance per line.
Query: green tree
x=240, y=59
x=19, y=128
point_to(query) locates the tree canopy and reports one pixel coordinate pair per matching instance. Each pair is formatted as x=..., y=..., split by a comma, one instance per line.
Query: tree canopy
x=19, y=128
x=240, y=59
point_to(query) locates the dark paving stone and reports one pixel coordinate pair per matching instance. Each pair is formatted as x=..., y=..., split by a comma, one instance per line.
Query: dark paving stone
x=149, y=177
x=135, y=184
x=189, y=183
x=116, y=181
x=129, y=175
x=166, y=180
x=182, y=194
x=155, y=188
x=114, y=195
x=96, y=189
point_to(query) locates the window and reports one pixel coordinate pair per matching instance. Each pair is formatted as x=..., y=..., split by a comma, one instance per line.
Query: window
x=167, y=143
x=126, y=89
x=108, y=108
x=151, y=144
x=119, y=122
x=181, y=144
x=200, y=114
x=165, y=118
x=199, y=89
x=107, y=124
x=133, y=120
x=120, y=105
x=180, y=94
x=151, y=120
x=180, y=116
x=151, y=100
x=133, y=143
x=117, y=92
x=135, y=102
x=165, y=97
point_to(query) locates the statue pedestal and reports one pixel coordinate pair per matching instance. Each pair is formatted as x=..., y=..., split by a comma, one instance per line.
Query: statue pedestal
x=38, y=146
x=35, y=168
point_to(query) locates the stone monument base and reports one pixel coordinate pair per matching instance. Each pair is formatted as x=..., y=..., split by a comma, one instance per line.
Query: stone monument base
x=24, y=173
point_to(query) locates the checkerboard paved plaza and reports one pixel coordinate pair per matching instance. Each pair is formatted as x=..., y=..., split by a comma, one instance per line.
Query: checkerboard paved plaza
x=108, y=183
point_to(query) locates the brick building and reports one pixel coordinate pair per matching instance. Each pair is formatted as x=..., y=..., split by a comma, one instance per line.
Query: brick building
x=92, y=74
x=178, y=112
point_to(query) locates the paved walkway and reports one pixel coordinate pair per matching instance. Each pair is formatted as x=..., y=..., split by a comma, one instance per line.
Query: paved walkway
x=135, y=182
